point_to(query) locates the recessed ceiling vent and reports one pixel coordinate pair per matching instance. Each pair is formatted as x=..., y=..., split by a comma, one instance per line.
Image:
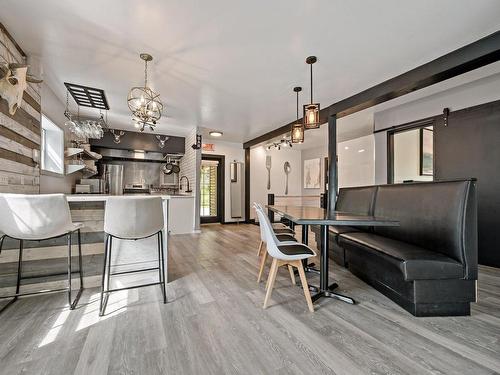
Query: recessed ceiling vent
x=87, y=96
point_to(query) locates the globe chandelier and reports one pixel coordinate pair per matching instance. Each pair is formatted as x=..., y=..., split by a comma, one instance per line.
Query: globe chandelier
x=144, y=103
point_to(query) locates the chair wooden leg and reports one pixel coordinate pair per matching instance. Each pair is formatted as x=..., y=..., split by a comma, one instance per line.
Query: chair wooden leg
x=271, y=279
x=292, y=274
x=260, y=248
x=305, y=286
x=262, y=266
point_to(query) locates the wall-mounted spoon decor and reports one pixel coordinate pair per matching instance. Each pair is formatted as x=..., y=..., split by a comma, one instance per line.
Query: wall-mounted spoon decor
x=287, y=169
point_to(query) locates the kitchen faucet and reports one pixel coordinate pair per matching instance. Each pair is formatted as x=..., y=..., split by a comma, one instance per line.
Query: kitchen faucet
x=187, y=180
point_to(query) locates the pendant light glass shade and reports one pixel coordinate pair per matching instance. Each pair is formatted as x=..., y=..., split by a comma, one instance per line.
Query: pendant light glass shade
x=297, y=132
x=311, y=110
x=311, y=116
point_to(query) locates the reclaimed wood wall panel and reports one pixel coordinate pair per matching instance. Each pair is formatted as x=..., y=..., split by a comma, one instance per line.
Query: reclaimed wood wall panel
x=22, y=130
x=12, y=52
x=19, y=133
x=13, y=166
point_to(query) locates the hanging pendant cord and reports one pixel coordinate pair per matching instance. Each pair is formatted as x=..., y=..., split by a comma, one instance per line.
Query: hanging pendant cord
x=146, y=73
x=67, y=113
x=297, y=106
x=311, y=83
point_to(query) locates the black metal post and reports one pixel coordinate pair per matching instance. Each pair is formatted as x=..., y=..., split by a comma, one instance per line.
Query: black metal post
x=270, y=202
x=305, y=234
x=332, y=163
x=305, y=241
x=323, y=281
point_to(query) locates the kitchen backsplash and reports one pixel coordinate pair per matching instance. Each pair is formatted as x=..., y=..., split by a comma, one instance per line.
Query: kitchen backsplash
x=135, y=172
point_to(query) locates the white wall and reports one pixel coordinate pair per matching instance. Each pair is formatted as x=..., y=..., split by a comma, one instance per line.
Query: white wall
x=53, y=108
x=356, y=161
x=232, y=152
x=258, y=174
x=480, y=91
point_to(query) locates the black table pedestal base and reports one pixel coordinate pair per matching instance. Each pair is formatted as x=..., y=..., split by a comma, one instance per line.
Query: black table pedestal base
x=330, y=294
x=310, y=268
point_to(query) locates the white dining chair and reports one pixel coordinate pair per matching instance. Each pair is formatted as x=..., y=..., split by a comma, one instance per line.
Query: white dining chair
x=279, y=228
x=35, y=218
x=285, y=253
x=132, y=218
x=283, y=237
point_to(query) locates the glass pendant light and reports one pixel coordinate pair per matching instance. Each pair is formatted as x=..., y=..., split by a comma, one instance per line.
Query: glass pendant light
x=311, y=111
x=297, y=132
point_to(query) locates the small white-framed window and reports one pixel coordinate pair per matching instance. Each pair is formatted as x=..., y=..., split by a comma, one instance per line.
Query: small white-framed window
x=52, y=147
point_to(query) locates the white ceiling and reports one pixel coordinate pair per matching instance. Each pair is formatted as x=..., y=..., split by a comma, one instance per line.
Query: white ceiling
x=231, y=65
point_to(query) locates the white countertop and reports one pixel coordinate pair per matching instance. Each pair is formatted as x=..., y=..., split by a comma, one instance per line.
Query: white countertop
x=104, y=197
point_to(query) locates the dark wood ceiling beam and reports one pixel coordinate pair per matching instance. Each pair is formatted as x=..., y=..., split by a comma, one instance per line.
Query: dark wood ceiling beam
x=472, y=56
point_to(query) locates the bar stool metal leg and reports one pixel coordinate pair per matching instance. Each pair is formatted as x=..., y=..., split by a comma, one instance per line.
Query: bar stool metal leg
x=69, y=271
x=106, y=271
x=101, y=305
x=161, y=266
x=108, y=281
x=73, y=303
x=80, y=260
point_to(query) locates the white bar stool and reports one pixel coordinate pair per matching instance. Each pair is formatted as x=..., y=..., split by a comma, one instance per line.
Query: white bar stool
x=36, y=218
x=132, y=218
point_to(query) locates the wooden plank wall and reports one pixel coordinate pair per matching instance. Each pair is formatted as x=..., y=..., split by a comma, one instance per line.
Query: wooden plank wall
x=19, y=133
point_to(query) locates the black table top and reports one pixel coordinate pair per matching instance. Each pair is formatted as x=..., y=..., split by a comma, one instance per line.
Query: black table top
x=319, y=216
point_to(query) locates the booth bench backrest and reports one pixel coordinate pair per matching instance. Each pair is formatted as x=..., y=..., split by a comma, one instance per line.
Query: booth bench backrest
x=437, y=216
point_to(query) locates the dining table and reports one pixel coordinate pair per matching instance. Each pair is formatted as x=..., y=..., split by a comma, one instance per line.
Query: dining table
x=305, y=216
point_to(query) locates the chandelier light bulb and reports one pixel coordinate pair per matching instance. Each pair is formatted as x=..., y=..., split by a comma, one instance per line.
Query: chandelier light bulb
x=311, y=116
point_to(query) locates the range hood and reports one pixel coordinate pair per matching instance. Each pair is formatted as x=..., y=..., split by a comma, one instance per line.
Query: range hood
x=113, y=153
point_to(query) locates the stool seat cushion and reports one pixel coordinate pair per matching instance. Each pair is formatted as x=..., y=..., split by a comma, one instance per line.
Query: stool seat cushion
x=35, y=217
x=284, y=231
x=58, y=233
x=133, y=217
x=285, y=237
x=296, y=251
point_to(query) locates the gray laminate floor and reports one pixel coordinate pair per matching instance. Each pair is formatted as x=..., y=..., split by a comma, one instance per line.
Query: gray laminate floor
x=214, y=324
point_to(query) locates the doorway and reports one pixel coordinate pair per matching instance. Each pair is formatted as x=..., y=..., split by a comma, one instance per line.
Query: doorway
x=411, y=153
x=212, y=189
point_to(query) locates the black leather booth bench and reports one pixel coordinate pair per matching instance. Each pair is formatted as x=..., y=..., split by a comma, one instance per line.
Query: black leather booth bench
x=427, y=265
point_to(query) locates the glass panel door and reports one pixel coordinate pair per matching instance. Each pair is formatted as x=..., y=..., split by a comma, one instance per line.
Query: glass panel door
x=209, y=205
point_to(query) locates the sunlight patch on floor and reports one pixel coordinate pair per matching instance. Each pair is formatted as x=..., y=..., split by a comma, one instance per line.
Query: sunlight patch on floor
x=56, y=327
x=117, y=304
